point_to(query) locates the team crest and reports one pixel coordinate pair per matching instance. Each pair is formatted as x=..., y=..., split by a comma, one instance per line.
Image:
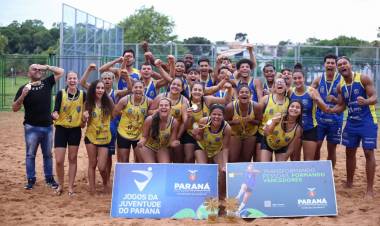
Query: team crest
x=177, y=112
x=346, y=94
x=143, y=111
x=305, y=102
x=277, y=141
x=129, y=111
x=271, y=111
x=217, y=139
x=94, y=114
x=322, y=90
x=356, y=91
x=275, y=132
x=79, y=108
x=151, y=93
x=64, y=109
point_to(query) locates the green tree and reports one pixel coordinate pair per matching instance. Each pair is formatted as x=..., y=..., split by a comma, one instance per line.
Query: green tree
x=146, y=24
x=3, y=43
x=193, y=44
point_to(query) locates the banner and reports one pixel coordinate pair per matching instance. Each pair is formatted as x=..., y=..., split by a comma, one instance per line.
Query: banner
x=282, y=189
x=163, y=190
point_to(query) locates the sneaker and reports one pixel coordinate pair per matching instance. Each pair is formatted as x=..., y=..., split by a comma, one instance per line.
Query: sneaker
x=51, y=183
x=29, y=185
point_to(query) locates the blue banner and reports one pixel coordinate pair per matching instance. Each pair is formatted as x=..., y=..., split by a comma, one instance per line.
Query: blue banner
x=282, y=189
x=163, y=190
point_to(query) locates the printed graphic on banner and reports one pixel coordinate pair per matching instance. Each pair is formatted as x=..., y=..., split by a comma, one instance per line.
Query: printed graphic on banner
x=282, y=189
x=163, y=190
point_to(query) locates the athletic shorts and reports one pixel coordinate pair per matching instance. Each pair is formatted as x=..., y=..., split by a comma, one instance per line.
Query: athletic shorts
x=186, y=138
x=87, y=141
x=259, y=138
x=264, y=145
x=67, y=136
x=125, y=143
x=310, y=135
x=112, y=144
x=367, y=134
x=332, y=132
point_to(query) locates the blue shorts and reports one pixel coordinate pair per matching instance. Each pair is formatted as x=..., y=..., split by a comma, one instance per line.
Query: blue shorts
x=367, y=134
x=112, y=145
x=332, y=132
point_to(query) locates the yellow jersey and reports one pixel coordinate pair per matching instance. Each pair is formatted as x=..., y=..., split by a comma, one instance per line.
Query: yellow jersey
x=132, y=119
x=203, y=111
x=212, y=142
x=163, y=138
x=70, y=113
x=243, y=130
x=271, y=109
x=98, y=130
x=280, y=138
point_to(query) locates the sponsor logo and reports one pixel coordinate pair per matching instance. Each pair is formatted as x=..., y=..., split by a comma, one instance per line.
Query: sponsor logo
x=141, y=185
x=192, y=186
x=312, y=201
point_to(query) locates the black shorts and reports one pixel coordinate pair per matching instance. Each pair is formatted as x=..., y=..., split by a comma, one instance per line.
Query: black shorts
x=67, y=136
x=264, y=145
x=259, y=137
x=311, y=134
x=186, y=138
x=87, y=141
x=125, y=143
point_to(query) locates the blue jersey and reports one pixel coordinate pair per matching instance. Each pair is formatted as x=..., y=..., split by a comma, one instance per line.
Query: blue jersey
x=122, y=84
x=251, y=85
x=309, y=109
x=150, y=90
x=325, y=89
x=208, y=82
x=357, y=114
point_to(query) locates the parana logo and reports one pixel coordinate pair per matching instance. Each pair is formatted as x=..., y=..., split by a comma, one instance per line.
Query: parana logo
x=312, y=201
x=191, y=186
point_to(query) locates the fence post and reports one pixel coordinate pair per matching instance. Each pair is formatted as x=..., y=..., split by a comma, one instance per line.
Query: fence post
x=2, y=81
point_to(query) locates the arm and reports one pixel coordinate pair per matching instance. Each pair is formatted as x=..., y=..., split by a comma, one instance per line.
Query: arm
x=109, y=66
x=83, y=81
x=174, y=140
x=120, y=106
x=125, y=75
x=271, y=124
x=228, y=116
x=57, y=71
x=57, y=105
x=340, y=106
x=182, y=127
x=259, y=88
x=154, y=105
x=295, y=142
x=145, y=133
x=314, y=94
x=226, y=142
x=251, y=55
x=171, y=62
x=163, y=73
x=198, y=132
x=19, y=99
x=370, y=91
x=316, y=82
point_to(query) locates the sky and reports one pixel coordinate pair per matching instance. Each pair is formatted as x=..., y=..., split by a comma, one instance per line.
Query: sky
x=265, y=21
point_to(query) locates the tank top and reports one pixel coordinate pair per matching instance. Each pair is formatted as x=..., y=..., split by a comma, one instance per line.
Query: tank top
x=243, y=130
x=70, y=113
x=271, y=109
x=98, y=131
x=132, y=119
x=280, y=138
x=212, y=142
x=163, y=138
x=309, y=120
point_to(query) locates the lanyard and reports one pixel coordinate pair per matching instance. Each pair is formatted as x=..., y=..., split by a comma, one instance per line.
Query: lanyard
x=352, y=84
x=332, y=83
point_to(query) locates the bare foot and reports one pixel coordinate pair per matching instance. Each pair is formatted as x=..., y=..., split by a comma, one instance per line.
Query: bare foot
x=369, y=195
x=347, y=184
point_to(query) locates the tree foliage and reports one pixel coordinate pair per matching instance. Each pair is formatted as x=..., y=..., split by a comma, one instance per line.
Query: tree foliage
x=196, y=49
x=3, y=43
x=148, y=25
x=29, y=37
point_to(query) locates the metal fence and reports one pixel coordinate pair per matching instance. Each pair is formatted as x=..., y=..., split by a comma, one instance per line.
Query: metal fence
x=13, y=68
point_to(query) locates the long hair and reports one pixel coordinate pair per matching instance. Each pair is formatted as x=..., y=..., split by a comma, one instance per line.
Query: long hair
x=299, y=118
x=155, y=128
x=107, y=104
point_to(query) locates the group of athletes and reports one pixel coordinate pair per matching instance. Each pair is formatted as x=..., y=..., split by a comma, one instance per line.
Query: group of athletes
x=185, y=113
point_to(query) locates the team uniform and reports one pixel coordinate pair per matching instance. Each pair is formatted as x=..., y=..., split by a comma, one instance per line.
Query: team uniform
x=176, y=110
x=98, y=129
x=131, y=123
x=329, y=125
x=113, y=126
x=203, y=111
x=271, y=109
x=122, y=84
x=309, y=121
x=266, y=88
x=67, y=126
x=212, y=143
x=208, y=82
x=279, y=140
x=243, y=130
x=361, y=120
x=163, y=138
x=252, y=87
